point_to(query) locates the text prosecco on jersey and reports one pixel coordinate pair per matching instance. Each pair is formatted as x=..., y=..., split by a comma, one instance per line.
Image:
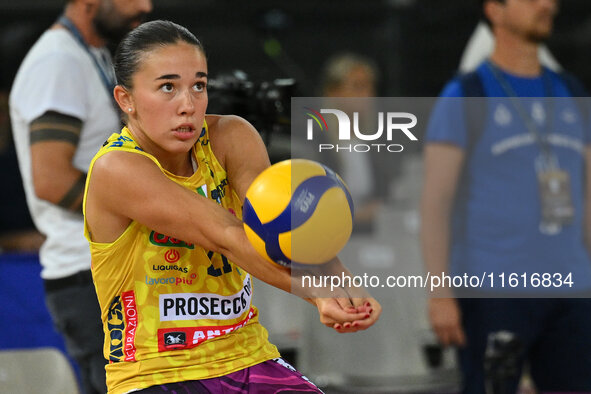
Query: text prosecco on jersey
x=190, y=306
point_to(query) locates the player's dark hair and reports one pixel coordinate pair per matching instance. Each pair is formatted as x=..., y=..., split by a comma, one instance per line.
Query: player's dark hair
x=144, y=39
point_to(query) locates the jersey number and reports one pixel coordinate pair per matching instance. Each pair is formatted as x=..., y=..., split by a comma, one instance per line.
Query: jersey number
x=212, y=271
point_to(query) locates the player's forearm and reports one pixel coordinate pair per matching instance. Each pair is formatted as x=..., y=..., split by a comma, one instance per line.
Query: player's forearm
x=241, y=252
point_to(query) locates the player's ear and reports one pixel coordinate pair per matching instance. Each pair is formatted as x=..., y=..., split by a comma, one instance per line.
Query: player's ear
x=123, y=99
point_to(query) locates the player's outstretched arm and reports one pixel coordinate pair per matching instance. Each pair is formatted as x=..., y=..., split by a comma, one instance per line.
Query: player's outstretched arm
x=128, y=186
x=242, y=152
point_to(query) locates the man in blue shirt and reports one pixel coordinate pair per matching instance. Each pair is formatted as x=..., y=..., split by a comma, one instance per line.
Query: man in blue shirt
x=504, y=194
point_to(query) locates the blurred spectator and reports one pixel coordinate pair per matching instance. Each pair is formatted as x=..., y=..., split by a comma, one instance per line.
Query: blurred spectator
x=17, y=232
x=481, y=44
x=506, y=193
x=62, y=110
x=348, y=76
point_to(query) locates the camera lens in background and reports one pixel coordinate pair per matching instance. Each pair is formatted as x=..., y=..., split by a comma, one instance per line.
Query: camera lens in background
x=502, y=362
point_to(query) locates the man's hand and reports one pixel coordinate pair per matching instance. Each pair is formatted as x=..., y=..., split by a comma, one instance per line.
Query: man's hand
x=445, y=318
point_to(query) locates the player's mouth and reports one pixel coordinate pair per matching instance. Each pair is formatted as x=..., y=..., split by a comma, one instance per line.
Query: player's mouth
x=184, y=131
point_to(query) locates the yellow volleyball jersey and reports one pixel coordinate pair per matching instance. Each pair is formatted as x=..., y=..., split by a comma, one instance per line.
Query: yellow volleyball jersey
x=171, y=310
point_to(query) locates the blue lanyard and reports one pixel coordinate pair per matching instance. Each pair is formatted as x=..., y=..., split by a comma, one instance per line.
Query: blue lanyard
x=510, y=92
x=107, y=81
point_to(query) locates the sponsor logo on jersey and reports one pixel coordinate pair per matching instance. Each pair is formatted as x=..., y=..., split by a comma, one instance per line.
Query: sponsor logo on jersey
x=115, y=327
x=174, y=340
x=189, y=337
x=172, y=280
x=122, y=325
x=162, y=267
x=167, y=241
x=191, y=306
x=129, y=306
x=172, y=256
x=218, y=193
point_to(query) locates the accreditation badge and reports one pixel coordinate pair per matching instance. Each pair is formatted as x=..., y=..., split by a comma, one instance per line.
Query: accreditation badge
x=555, y=196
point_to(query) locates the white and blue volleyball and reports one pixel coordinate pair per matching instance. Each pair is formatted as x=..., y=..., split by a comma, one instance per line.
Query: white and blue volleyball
x=298, y=211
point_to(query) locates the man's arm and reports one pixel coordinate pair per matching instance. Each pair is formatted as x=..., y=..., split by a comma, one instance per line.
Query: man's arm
x=443, y=164
x=53, y=140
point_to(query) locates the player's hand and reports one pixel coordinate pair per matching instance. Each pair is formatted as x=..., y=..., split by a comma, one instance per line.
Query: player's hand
x=445, y=318
x=345, y=314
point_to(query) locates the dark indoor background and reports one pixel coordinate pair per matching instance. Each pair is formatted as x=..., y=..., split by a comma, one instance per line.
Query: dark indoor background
x=416, y=43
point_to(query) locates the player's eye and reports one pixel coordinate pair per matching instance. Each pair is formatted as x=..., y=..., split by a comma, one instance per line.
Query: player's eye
x=167, y=87
x=199, y=86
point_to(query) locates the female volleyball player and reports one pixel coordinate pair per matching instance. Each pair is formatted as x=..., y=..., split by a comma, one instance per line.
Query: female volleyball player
x=170, y=260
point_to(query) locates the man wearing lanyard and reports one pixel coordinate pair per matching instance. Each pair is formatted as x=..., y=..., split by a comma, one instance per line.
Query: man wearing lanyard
x=62, y=110
x=506, y=192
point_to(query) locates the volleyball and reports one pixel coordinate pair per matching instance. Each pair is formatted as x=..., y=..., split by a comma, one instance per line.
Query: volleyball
x=298, y=211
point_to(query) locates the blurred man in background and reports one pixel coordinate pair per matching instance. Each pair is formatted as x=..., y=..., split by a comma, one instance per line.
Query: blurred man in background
x=62, y=110
x=507, y=193
x=17, y=232
x=350, y=76
x=482, y=43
